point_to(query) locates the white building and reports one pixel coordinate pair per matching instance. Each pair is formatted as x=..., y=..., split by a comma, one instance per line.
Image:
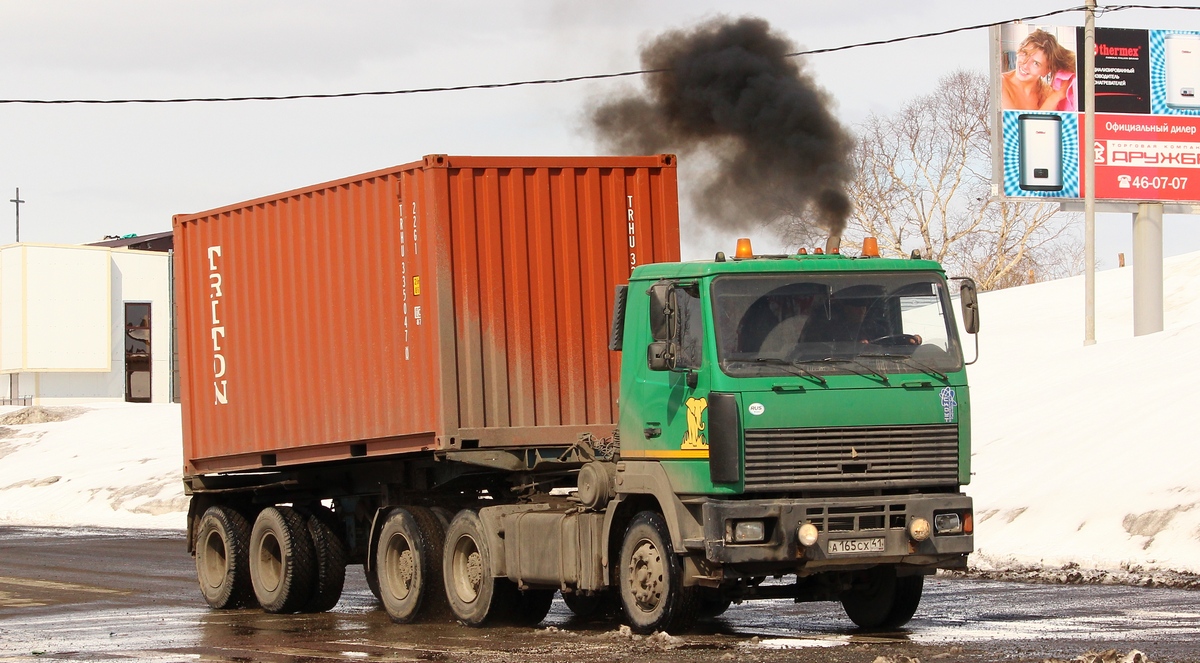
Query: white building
x=85, y=323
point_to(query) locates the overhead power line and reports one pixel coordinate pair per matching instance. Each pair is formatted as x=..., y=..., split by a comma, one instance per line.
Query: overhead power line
x=575, y=79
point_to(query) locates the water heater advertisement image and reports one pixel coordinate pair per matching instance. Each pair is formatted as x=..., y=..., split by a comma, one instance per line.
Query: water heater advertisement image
x=1147, y=113
x=1040, y=152
x=1182, y=70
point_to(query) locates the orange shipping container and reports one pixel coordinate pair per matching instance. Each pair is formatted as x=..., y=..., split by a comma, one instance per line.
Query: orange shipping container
x=454, y=302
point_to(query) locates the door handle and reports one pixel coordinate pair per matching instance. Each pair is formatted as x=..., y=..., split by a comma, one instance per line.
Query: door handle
x=651, y=433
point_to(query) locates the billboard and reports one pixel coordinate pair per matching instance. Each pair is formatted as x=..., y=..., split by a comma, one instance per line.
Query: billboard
x=1147, y=83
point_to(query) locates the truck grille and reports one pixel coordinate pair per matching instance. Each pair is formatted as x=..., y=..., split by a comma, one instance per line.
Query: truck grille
x=780, y=459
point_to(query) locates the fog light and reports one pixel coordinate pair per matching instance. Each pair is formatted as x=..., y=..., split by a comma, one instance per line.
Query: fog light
x=807, y=534
x=947, y=523
x=749, y=531
x=918, y=529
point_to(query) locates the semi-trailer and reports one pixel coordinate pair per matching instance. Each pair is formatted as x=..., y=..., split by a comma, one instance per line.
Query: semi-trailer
x=490, y=379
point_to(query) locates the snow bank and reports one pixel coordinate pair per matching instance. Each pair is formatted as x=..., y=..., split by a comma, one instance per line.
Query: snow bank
x=1087, y=455
x=1082, y=456
x=109, y=465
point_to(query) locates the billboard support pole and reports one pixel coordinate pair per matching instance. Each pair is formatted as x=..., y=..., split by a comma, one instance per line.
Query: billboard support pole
x=1148, y=269
x=1089, y=176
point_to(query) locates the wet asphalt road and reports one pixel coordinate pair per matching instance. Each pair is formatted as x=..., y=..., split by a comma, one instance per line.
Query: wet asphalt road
x=112, y=595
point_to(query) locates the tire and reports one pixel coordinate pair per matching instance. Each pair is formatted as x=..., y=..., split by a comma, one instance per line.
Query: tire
x=223, y=558
x=885, y=602
x=372, y=575
x=597, y=606
x=474, y=594
x=443, y=515
x=712, y=604
x=282, y=564
x=529, y=607
x=651, y=579
x=408, y=560
x=329, y=556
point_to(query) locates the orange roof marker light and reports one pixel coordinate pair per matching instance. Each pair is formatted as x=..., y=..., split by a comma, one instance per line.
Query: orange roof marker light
x=870, y=247
x=817, y=251
x=802, y=252
x=743, y=248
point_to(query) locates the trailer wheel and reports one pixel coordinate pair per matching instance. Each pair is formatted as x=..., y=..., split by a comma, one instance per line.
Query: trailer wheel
x=282, y=567
x=651, y=578
x=330, y=559
x=408, y=560
x=475, y=595
x=597, y=606
x=223, y=558
x=885, y=602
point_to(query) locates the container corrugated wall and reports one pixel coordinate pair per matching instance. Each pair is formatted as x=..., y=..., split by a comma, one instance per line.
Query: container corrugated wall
x=453, y=302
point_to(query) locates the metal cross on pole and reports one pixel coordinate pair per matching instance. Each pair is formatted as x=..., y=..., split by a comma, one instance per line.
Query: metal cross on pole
x=17, y=201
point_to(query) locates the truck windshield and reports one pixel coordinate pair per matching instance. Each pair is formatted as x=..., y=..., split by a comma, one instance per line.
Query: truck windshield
x=885, y=322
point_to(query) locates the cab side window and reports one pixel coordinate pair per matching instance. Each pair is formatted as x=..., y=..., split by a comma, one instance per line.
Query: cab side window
x=691, y=327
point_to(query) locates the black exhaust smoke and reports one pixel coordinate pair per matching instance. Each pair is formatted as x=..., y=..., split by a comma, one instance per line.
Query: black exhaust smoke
x=727, y=90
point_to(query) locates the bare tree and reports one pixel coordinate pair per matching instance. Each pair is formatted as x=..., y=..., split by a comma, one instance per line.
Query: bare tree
x=924, y=182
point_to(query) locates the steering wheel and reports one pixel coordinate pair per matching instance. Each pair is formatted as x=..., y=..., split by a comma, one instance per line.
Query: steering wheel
x=897, y=339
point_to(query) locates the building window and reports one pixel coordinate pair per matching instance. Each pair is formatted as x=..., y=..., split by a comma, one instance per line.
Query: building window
x=137, y=353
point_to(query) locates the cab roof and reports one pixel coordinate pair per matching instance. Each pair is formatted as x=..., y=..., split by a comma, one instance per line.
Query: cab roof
x=780, y=264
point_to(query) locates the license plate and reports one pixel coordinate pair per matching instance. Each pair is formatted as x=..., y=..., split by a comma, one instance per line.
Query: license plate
x=844, y=546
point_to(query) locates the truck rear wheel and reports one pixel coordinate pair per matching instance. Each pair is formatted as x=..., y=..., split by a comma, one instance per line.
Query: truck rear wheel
x=526, y=608
x=597, y=606
x=712, y=604
x=223, y=558
x=885, y=601
x=471, y=588
x=408, y=562
x=282, y=567
x=329, y=555
x=651, y=578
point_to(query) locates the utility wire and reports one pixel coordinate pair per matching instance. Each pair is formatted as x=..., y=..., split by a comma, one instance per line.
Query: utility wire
x=574, y=79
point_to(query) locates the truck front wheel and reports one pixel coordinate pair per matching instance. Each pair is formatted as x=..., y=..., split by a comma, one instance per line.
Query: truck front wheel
x=651, y=577
x=282, y=565
x=408, y=563
x=223, y=558
x=884, y=601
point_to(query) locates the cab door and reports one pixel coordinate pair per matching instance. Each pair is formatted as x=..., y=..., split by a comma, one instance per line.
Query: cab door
x=667, y=409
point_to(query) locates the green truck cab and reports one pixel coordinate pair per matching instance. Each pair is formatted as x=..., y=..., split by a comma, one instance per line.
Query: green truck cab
x=810, y=416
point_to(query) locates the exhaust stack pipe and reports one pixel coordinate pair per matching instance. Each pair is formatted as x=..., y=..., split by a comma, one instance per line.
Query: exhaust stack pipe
x=833, y=244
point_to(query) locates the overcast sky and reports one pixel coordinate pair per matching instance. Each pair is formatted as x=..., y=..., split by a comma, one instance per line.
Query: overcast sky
x=86, y=171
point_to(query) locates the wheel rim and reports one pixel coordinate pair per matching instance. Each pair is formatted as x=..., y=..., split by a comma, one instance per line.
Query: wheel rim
x=468, y=569
x=215, y=562
x=270, y=562
x=400, y=567
x=646, y=570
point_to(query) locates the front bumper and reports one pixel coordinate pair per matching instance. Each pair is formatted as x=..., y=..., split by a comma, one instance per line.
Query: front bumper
x=863, y=520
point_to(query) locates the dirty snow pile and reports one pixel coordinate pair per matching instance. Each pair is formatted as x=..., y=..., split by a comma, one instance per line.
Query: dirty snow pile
x=101, y=465
x=1084, y=457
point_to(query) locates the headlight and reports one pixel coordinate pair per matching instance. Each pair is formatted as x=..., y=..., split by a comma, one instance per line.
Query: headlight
x=947, y=523
x=749, y=531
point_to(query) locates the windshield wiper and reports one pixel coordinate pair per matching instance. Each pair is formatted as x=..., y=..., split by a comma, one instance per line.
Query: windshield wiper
x=846, y=360
x=919, y=364
x=801, y=371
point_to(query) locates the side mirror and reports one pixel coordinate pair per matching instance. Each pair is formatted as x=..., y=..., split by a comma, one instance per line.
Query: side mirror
x=662, y=311
x=969, y=300
x=659, y=356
